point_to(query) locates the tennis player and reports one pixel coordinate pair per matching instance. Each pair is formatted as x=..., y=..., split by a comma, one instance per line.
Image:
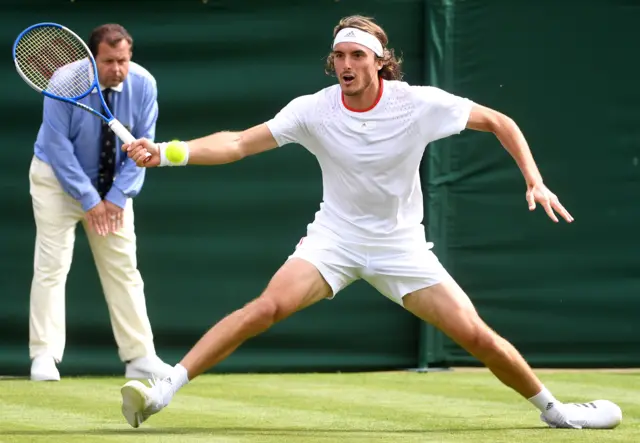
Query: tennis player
x=369, y=133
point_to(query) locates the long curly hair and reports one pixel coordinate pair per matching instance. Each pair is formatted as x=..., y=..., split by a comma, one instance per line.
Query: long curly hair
x=391, y=65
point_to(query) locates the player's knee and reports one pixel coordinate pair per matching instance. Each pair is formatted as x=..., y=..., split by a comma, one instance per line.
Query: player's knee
x=481, y=341
x=260, y=314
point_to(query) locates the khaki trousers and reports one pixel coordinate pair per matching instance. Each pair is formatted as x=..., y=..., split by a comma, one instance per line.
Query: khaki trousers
x=56, y=216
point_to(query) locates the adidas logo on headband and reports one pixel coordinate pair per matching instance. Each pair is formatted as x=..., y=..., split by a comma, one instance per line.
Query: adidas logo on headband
x=355, y=35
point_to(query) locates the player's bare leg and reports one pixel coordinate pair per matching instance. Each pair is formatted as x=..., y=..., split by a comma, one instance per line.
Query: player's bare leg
x=295, y=286
x=449, y=309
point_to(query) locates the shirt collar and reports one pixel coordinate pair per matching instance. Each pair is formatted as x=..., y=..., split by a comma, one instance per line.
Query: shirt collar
x=117, y=88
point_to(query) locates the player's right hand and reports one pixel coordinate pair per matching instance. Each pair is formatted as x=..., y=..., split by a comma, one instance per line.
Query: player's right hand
x=143, y=152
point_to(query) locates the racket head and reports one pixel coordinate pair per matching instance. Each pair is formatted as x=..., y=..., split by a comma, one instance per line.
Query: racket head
x=55, y=61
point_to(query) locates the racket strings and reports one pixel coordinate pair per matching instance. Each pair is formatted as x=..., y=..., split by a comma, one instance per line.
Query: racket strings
x=55, y=61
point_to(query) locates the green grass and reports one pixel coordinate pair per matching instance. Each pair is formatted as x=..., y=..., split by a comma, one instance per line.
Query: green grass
x=457, y=406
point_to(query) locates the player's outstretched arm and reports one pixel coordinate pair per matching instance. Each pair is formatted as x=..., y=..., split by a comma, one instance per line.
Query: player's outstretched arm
x=227, y=147
x=511, y=137
x=215, y=149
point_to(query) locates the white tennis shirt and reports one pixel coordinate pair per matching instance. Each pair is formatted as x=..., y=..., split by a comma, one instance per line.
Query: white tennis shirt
x=370, y=159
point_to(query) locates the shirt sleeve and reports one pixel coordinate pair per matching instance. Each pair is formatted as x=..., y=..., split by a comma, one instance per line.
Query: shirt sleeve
x=60, y=153
x=442, y=114
x=290, y=125
x=131, y=177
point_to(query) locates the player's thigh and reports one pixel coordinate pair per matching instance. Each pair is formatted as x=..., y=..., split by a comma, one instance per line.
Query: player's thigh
x=447, y=307
x=338, y=263
x=318, y=269
x=295, y=286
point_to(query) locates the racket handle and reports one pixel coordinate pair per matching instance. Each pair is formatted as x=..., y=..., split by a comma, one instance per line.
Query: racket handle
x=122, y=132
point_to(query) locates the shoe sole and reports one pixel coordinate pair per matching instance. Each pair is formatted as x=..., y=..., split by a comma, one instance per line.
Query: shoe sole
x=551, y=425
x=133, y=403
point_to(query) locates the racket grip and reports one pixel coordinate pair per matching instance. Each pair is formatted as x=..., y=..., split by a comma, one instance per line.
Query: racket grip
x=122, y=132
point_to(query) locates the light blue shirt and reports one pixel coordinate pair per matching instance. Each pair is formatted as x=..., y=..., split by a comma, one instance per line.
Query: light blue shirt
x=69, y=139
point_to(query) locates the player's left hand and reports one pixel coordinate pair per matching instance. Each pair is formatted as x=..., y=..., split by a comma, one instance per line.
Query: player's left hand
x=115, y=216
x=541, y=194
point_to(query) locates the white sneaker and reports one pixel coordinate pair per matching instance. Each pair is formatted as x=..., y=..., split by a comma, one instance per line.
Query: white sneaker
x=598, y=414
x=43, y=368
x=147, y=368
x=140, y=402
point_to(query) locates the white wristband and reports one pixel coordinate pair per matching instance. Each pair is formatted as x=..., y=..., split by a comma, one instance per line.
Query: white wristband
x=174, y=153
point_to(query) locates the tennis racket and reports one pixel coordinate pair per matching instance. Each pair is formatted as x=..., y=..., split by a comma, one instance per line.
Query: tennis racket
x=54, y=61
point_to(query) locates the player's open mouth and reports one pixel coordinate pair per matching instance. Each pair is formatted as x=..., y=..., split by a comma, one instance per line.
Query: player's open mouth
x=348, y=78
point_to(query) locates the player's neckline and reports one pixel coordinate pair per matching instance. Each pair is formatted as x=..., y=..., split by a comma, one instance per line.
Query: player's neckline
x=377, y=100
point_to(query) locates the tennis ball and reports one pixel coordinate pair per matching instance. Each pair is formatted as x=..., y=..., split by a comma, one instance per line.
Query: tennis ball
x=175, y=152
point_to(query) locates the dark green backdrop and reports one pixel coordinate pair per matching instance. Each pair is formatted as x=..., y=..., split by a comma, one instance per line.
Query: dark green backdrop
x=566, y=295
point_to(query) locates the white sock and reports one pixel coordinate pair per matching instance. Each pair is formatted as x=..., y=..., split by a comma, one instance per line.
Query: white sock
x=177, y=379
x=544, y=400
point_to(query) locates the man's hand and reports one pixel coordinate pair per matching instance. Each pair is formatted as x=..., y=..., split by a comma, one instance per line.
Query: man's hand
x=97, y=219
x=138, y=151
x=541, y=194
x=114, y=216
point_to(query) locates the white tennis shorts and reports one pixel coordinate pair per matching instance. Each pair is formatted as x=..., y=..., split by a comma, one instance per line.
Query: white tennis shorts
x=394, y=269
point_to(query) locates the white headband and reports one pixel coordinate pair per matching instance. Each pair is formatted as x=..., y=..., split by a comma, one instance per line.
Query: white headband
x=360, y=37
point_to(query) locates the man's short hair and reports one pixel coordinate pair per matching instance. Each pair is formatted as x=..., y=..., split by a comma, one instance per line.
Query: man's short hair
x=110, y=33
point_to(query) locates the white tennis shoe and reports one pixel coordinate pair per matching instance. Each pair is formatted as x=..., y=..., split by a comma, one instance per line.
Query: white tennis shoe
x=147, y=367
x=598, y=414
x=139, y=402
x=43, y=368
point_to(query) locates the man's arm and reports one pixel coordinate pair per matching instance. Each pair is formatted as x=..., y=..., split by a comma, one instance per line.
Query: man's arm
x=60, y=153
x=130, y=178
x=228, y=147
x=288, y=126
x=59, y=150
x=215, y=149
x=508, y=133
